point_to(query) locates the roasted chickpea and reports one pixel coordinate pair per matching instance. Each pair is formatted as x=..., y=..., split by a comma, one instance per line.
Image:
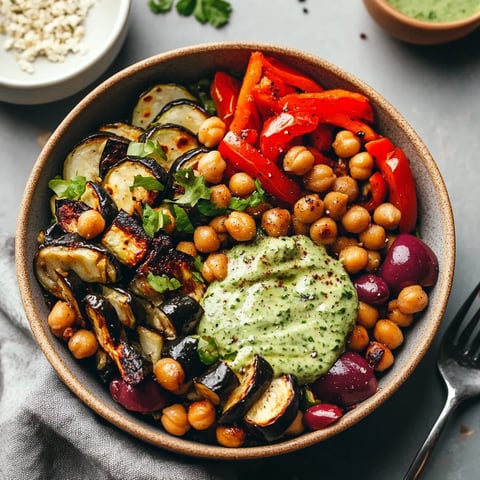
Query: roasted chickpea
x=206, y=239
x=211, y=131
x=308, y=208
x=398, y=317
x=230, y=436
x=346, y=144
x=90, y=224
x=220, y=195
x=61, y=317
x=298, y=227
x=361, y=166
x=201, y=414
x=356, y=219
x=241, y=226
x=342, y=242
x=412, y=299
x=335, y=204
x=367, y=315
x=170, y=221
x=212, y=166
x=298, y=160
x=379, y=356
x=241, y=184
x=354, y=258
x=169, y=374
x=218, y=224
x=373, y=237
x=347, y=185
x=389, y=333
x=174, y=420
x=323, y=231
x=215, y=267
x=387, y=215
x=319, y=179
x=276, y=222
x=374, y=260
x=187, y=247
x=83, y=344
x=358, y=339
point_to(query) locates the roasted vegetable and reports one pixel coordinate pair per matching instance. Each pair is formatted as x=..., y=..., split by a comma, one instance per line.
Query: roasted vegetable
x=185, y=351
x=96, y=197
x=276, y=409
x=123, y=302
x=254, y=381
x=67, y=213
x=186, y=113
x=123, y=129
x=216, y=383
x=183, y=312
x=151, y=343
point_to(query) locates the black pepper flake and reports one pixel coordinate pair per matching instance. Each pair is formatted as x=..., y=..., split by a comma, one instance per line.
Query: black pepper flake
x=363, y=36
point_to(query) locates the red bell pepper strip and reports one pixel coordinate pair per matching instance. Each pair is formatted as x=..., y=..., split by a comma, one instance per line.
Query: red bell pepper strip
x=322, y=137
x=377, y=190
x=224, y=91
x=279, y=130
x=246, y=158
x=395, y=169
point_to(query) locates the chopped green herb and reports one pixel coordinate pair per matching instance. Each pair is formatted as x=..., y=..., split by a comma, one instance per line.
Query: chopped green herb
x=209, y=209
x=255, y=199
x=154, y=220
x=148, y=183
x=195, y=188
x=145, y=149
x=207, y=350
x=183, y=223
x=160, y=6
x=71, y=189
x=161, y=283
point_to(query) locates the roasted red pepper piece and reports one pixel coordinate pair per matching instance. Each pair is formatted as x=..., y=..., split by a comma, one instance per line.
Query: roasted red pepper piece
x=395, y=169
x=246, y=158
x=377, y=191
x=224, y=91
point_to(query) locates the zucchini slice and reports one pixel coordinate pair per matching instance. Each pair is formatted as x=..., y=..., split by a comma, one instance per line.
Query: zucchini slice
x=174, y=140
x=276, y=409
x=120, y=178
x=216, y=383
x=185, y=113
x=153, y=100
x=96, y=197
x=126, y=239
x=124, y=130
x=256, y=378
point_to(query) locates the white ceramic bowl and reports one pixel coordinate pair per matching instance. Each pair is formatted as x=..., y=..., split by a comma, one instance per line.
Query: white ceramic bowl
x=113, y=100
x=105, y=30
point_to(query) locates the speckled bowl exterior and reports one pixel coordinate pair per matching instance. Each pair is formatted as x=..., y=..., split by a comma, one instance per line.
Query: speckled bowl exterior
x=415, y=31
x=114, y=100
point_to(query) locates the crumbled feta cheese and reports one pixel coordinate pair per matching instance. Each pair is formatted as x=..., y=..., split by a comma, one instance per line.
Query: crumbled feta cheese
x=43, y=28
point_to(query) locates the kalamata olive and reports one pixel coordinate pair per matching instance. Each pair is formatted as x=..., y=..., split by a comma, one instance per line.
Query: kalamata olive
x=350, y=380
x=372, y=289
x=145, y=397
x=321, y=415
x=409, y=261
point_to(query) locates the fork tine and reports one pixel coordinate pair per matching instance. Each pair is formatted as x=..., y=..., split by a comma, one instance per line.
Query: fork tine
x=464, y=339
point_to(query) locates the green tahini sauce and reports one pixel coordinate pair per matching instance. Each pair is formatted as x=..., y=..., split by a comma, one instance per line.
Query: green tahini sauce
x=285, y=299
x=437, y=10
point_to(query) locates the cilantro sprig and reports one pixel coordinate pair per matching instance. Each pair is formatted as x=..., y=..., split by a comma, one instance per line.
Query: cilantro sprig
x=154, y=220
x=162, y=283
x=71, y=189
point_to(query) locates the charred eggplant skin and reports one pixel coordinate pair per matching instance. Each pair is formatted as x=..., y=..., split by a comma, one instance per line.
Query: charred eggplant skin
x=184, y=313
x=67, y=212
x=255, y=380
x=185, y=351
x=216, y=383
x=275, y=410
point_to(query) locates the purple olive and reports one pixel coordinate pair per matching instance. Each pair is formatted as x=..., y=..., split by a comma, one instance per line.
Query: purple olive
x=350, y=380
x=321, y=415
x=372, y=289
x=409, y=261
x=144, y=397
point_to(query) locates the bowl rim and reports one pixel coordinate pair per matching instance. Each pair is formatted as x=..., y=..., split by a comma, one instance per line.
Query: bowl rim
x=155, y=435
x=32, y=83
x=390, y=10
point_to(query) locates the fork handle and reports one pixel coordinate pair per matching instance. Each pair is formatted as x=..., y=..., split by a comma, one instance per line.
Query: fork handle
x=425, y=450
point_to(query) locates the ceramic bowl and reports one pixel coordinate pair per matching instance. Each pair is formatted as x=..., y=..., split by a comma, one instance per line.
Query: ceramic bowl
x=106, y=26
x=419, y=32
x=113, y=100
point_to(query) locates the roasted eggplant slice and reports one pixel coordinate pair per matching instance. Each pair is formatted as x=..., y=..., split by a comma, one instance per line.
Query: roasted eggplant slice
x=216, y=383
x=183, y=312
x=276, y=409
x=186, y=113
x=96, y=197
x=123, y=302
x=67, y=213
x=152, y=101
x=174, y=140
x=114, y=151
x=151, y=343
x=120, y=179
x=124, y=130
x=185, y=351
x=126, y=239
x=69, y=289
x=111, y=337
x=255, y=379
x=91, y=262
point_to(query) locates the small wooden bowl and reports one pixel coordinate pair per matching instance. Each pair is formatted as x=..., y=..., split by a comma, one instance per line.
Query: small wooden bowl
x=419, y=32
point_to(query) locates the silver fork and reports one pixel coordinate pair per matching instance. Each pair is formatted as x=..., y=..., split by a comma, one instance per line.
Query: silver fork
x=459, y=365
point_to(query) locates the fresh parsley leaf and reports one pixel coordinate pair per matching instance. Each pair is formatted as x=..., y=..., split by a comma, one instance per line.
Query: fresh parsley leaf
x=185, y=7
x=160, y=6
x=183, y=223
x=154, y=220
x=198, y=264
x=148, y=183
x=71, y=189
x=161, y=283
x=209, y=209
x=215, y=12
x=254, y=200
x=146, y=149
x=195, y=188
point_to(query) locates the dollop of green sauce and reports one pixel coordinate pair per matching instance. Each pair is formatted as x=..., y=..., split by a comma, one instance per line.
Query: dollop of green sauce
x=437, y=10
x=285, y=299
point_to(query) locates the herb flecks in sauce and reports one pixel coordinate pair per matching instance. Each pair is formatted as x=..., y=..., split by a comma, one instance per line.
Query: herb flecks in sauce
x=437, y=10
x=285, y=299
